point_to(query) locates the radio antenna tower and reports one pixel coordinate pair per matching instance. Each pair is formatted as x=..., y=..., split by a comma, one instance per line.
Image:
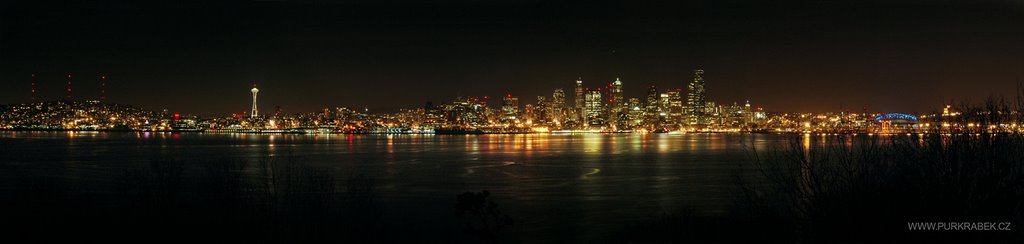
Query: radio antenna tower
x=68, y=96
x=103, y=88
x=33, y=87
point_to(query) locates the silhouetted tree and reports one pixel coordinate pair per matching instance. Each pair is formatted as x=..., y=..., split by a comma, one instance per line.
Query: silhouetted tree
x=482, y=217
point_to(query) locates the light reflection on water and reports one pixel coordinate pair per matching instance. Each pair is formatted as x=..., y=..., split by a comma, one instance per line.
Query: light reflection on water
x=559, y=187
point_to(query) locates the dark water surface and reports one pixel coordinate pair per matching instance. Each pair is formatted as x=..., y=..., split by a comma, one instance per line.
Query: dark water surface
x=558, y=187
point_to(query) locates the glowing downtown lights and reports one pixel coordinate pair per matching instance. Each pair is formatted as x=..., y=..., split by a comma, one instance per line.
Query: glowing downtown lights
x=470, y=114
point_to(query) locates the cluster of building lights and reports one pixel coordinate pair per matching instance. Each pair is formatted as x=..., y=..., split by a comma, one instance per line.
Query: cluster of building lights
x=603, y=109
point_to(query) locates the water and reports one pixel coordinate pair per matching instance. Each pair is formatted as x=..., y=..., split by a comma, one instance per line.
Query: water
x=558, y=187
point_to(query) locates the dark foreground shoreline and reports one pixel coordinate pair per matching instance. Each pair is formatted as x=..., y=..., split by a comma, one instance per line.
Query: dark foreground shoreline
x=818, y=190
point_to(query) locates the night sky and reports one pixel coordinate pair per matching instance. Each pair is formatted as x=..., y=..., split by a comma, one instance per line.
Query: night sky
x=795, y=56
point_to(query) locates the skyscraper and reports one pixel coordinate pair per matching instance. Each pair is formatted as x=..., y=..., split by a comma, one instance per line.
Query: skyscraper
x=557, y=111
x=509, y=108
x=696, y=100
x=634, y=111
x=652, y=111
x=578, y=109
x=616, y=92
x=255, y=112
x=593, y=109
x=615, y=101
x=674, y=106
x=652, y=96
x=529, y=113
x=541, y=111
x=748, y=115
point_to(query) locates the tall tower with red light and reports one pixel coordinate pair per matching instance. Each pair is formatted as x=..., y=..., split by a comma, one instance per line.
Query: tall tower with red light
x=68, y=95
x=254, y=92
x=616, y=99
x=33, y=87
x=103, y=88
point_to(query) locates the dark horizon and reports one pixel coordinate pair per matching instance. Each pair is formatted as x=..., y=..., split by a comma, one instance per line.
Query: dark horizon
x=794, y=56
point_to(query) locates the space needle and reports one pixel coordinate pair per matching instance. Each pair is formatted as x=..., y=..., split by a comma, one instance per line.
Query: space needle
x=254, y=91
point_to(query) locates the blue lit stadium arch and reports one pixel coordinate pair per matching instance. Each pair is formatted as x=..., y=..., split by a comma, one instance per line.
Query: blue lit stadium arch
x=897, y=117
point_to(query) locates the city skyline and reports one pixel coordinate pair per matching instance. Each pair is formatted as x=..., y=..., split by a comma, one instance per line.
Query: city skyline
x=593, y=110
x=97, y=92
x=791, y=56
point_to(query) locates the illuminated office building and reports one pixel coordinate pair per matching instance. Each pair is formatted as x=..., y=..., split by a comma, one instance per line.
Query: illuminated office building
x=593, y=111
x=509, y=108
x=696, y=100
